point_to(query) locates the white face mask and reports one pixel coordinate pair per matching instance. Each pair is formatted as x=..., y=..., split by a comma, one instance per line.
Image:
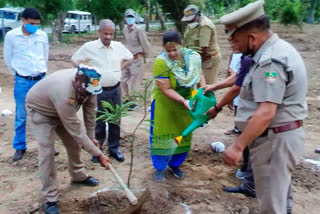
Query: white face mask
x=193, y=25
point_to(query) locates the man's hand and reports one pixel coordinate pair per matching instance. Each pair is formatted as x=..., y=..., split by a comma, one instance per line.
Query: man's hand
x=209, y=88
x=212, y=111
x=232, y=155
x=95, y=142
x=104, y=160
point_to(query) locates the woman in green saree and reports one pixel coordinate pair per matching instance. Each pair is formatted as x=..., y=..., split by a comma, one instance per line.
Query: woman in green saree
x=177, y=71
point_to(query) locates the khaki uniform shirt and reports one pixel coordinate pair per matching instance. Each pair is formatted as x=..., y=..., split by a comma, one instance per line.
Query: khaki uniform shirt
x=136, y=40
x=54, y=97
x=107, y=60
x=204, y=35
x=269, y=81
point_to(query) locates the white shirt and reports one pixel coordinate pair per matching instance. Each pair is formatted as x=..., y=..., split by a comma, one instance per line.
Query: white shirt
x=107, y=60
x=26, y=55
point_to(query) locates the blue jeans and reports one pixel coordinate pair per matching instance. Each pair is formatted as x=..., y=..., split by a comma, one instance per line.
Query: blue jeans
x=21, y=88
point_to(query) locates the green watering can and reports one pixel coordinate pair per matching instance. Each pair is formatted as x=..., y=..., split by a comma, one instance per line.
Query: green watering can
x=203, y=103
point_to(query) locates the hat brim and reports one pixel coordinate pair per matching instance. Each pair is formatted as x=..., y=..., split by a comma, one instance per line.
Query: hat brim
x=131, y=14
x=188, y=18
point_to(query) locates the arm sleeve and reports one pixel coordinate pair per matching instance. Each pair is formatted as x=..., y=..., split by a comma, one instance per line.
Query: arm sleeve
x=160, y=69
x=145, y=43
x=46, y=49
x=204, y=37
x=269, y=83
x=8, y=52
x=89, y=114
x=125, y=53
x=72, y=124
x=80, y=54
x=244, y=69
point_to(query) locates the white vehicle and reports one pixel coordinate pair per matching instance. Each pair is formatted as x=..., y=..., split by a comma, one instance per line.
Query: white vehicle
x=10, y=18
x=77, y=21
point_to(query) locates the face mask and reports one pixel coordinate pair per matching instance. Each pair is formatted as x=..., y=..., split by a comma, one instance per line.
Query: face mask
x=31, y=28
x=130, y=20
x=193, y=25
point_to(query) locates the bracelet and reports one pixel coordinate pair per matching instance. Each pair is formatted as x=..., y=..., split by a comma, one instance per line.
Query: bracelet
x=217, y=109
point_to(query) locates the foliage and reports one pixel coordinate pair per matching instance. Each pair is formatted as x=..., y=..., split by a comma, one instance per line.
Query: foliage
x=48, y=9
x=111, y=9
x=113, y=113
x=292, y=13
x=175, y=8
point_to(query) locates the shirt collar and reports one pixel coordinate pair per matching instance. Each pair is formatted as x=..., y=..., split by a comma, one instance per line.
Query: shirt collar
x=101, y=45
x=270, y=41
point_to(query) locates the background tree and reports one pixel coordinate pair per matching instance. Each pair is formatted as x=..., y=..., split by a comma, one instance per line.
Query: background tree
x=53, y=12
x=175, y=8
x=312, y=11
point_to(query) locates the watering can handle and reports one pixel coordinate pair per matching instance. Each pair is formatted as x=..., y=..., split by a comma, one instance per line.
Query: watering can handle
x=192, y=104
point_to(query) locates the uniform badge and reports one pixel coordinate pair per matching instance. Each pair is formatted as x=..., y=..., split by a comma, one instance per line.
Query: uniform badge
x=270, y=77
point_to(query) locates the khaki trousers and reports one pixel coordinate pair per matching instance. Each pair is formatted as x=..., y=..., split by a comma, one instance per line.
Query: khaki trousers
x=43, y=129
x=273, y=160
x=131, y=77
x=210, y=69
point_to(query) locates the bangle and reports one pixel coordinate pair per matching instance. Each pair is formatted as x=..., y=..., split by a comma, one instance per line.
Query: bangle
x=217, y=109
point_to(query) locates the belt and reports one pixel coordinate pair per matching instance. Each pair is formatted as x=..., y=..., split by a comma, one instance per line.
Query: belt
x=33, y=78
x=284, y=128
x=137, y=55
x=110, y=88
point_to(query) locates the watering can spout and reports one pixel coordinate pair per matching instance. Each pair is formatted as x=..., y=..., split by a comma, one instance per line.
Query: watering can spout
x=194, y=125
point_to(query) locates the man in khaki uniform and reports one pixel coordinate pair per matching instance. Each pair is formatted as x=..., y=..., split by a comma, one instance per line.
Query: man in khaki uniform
x=271, y=108
x=137, y=43
x=55, y=110
x=201, y=35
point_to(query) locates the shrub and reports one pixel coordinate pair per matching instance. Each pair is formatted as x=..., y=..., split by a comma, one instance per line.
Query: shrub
x=292, y=13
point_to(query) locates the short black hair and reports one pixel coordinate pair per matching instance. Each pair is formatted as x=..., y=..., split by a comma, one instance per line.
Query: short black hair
x=261, y=23
x=172, y=36
x=31, y=13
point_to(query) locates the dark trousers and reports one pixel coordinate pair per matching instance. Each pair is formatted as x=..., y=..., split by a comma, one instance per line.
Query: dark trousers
x=113, y=96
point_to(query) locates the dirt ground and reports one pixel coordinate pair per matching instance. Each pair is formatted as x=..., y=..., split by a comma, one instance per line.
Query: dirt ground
x=205, y=174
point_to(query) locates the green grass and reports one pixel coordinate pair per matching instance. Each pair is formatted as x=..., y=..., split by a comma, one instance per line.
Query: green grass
x=67, y=37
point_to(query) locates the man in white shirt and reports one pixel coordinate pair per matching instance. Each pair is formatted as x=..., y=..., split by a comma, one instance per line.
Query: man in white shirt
x=109, y=57
x=25, y=53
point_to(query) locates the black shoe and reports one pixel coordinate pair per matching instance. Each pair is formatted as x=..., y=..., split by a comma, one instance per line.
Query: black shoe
x=89, y=181
x=117, y=155
x=239, y=189
x=51, y=208
x=95, y=159
x=18, y=155
x=317, y=151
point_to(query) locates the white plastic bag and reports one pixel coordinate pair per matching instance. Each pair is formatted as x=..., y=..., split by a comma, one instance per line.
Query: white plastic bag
x=217, y=146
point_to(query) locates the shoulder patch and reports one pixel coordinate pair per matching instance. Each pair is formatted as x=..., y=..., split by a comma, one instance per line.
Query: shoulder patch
x=265, y=62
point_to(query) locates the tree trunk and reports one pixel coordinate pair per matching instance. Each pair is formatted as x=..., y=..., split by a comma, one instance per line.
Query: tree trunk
x=312, y=8
x=161, y=19
x=147, y=15
x=57, y=26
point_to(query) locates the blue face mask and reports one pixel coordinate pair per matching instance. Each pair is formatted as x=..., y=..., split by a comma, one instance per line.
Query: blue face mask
x=31, y=28
x=130, y=20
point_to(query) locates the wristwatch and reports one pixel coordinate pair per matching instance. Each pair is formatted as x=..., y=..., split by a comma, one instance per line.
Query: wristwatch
x=217, y=109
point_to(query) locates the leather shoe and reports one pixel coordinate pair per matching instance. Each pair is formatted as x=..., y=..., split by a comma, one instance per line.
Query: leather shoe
x=18, y=155
x=94, y=159
x=51, y=208
x=89, y=181
x=239, y=189
x=117, y=155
